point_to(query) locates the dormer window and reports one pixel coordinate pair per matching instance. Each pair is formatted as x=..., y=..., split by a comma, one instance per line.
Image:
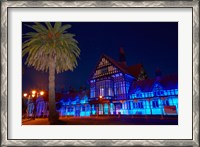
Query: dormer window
x=157, y=87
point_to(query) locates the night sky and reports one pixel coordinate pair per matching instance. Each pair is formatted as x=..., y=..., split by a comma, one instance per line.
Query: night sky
x=154, y=44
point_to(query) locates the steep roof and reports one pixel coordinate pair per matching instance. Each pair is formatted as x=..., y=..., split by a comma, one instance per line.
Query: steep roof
x=121, y=66
x=167, y=82
x=133, y=70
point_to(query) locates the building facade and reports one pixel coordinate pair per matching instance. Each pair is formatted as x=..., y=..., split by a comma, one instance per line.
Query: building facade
x=75, y=104
x=116, y=88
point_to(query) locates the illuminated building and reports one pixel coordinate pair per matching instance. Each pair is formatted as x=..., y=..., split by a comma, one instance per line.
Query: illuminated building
x=75, y=104
x=37, y=107
x=116, y=88
x=37, y=104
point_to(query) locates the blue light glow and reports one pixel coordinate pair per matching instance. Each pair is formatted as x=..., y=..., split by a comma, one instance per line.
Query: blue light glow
x=138, y=104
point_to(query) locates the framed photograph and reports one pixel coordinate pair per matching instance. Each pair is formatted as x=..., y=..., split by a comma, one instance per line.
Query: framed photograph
x=100, y=73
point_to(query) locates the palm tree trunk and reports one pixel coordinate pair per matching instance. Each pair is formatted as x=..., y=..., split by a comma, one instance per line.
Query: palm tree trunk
x=53, y=115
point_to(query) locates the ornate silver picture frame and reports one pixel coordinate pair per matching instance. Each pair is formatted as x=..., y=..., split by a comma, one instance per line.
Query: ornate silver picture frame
x=6, y=5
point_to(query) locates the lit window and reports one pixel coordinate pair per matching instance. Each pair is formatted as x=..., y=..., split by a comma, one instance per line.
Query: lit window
x=168, y=92
x=176, y=91
x=83, y=108
x=172, y=91
x=161, y=93
x=92, y=92
x=110, y=92
x=134, y=105
x=165, y=92
x=102, y=91
x=166, y=103
x=140, y=105
x=155, y=104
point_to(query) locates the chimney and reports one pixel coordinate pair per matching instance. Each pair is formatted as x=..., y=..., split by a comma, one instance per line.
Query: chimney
x=158, y=74
x=122, y=56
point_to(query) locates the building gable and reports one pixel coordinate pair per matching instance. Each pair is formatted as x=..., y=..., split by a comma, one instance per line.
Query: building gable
x=104, y=67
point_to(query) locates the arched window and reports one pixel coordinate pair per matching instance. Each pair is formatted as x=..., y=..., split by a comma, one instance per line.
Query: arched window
x=105, y=108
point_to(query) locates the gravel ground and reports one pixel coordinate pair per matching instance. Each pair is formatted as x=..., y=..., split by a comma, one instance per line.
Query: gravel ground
x=107, y=120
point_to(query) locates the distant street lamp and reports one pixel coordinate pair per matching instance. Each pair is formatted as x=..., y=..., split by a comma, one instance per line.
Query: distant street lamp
x=41, y=93
x=25, y=94
x=33, y=92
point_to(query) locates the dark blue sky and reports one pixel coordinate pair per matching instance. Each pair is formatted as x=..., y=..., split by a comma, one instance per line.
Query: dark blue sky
x=154, y=44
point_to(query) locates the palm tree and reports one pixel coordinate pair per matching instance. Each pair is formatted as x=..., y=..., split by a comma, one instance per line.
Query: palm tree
x=51, y=49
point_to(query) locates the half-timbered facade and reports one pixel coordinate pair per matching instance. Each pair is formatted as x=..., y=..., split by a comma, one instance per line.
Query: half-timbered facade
x=75, y=104
x=116, y=88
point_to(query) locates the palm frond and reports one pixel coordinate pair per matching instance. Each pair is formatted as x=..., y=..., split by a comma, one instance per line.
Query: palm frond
x=57, y=26
x=42, y=27
x=64, y=28
x=49, y=42
x=49, y=26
